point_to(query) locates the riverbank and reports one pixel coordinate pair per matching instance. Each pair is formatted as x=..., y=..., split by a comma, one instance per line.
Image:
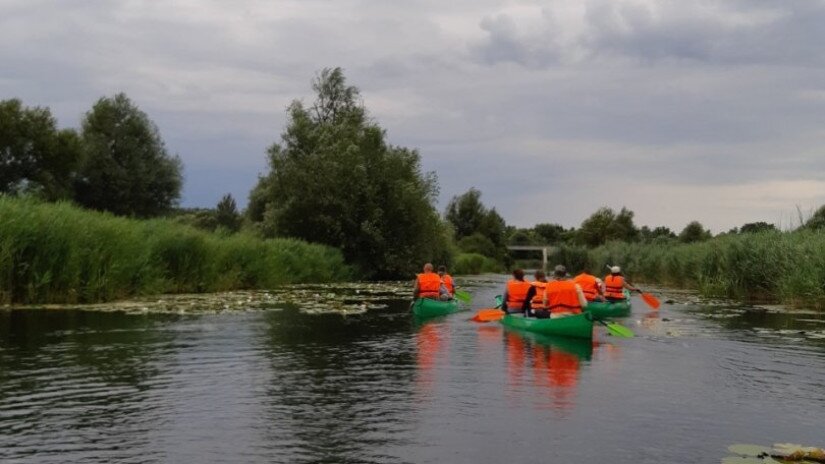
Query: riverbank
x=58, y=253
x=783, y=267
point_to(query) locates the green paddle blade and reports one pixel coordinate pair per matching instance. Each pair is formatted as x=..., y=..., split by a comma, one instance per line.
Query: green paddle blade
x=616, y=329
x=463, y=296
x=499, y=300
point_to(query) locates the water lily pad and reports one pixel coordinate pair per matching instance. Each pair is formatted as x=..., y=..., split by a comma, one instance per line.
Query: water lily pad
x=749, y=450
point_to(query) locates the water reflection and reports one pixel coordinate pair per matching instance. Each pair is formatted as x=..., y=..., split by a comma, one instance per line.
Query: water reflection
x=334, y=382
x=543, y=367
x=431, y=341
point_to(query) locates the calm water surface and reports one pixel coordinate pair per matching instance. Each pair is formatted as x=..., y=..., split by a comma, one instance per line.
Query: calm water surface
x=280, y=386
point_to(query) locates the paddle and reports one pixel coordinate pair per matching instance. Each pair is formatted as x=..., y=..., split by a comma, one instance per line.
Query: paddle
x=616, y=329
x=463, y=296
x=490, y=314
x=648, y=298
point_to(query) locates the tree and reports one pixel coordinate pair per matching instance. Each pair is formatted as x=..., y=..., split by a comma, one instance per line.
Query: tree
x=594, y=230
x=659, y=233
x=35, y=157
x=466, y=213
x=756, y=227
x=549, y=233
x=817, y=221
x=226, y=214
x=694, y=232
x=335, y=180
x=126, y=169
x=622, y=227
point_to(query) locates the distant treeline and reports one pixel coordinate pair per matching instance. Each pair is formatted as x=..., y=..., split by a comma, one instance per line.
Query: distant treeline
x=333, y=179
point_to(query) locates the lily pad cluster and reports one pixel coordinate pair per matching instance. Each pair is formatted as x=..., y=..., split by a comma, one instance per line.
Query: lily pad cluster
x=342, y=298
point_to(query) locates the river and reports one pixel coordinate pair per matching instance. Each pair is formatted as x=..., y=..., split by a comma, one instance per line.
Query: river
x=379, y=387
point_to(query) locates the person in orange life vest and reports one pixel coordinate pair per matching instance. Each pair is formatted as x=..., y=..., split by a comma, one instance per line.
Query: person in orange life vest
x=615, y=283
x=447, y=288
x=590, y=284
x=562, y=297
x=427, y=284
x=536, y=293
x=515, y=294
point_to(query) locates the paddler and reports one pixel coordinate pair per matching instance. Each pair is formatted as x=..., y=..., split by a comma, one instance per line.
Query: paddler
x=515, y=294
x=614, y=285
x=427, y=284
x=562, y=296
x=447, y=288
x=536, y=293
x=591, y=285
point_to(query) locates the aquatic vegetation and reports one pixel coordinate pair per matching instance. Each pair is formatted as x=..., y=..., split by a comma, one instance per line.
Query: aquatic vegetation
x=58, y=253
x=788, y=267
x=342, y=298
x=781, y=452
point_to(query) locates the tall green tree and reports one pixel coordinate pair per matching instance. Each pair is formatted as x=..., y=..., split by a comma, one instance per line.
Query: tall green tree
x=36, y=157
x=126, y=169
x=335, y=180
x=550, y=233
x=226, y=213
x=472, y=221
x=694, y=232
x=817, y=221
x=756, y=227
x=605, y=225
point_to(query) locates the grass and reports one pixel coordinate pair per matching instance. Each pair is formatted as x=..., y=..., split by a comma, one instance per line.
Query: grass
x=58, y=253
x=786, y=267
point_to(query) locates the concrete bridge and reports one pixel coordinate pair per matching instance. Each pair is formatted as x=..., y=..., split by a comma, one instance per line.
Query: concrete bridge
x=544, y=249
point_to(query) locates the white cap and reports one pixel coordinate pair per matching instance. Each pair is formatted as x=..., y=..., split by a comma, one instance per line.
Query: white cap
x=615, y=270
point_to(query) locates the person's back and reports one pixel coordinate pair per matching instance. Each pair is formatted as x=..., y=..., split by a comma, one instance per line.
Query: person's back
x=614, y=285
x=427, y=284
x=536, y=294
x=447, y=288
x=589, y=285
x=563, y=297
x=515, y=294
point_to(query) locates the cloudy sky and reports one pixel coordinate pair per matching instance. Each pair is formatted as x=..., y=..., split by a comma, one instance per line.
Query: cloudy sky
x=679, y=110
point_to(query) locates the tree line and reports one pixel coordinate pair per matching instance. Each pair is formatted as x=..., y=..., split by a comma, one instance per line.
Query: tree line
x=332, y=178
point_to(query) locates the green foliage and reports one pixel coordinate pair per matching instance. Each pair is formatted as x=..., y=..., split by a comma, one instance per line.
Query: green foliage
x=474, y=263
x=817, y=221
x=550, y=233
x=57, y=253
x=226, y=214
x=788, y=267
x=35, y=157
x=334, y=180
x=756, y=227
x=659, y=234
x=694, y=232
x=125, y=169
x=605, y=225
x=479, y=229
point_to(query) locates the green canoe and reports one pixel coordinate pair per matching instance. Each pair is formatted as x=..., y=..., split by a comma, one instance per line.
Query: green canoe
x=602, y=310
x=425, y=307
x=579, y=325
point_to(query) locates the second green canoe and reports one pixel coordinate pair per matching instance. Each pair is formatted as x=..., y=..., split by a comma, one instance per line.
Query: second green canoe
x=425, y=307
x=602, y=310
x=579, y=325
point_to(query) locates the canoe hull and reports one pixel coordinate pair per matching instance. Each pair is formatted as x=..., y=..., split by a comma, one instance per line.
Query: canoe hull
x=424, y=307
x=577, y=326
x=602, y=310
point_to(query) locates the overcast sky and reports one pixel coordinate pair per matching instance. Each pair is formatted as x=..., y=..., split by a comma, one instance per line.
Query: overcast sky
x=678, y=110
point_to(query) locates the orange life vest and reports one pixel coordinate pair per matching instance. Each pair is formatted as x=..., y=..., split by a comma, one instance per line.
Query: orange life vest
x=516, y=293
x=589, y=285
x=562, y=297
x=538, y=301
x=447, y=280
x=614, y=287
x=429, y=284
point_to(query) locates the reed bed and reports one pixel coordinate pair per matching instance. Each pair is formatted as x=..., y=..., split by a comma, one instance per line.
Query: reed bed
x=58, y=253
x=786, y=267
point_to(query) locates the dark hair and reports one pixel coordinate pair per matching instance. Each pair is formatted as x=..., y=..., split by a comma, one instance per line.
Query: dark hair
x=518, y=274
x=442, y=268
x=539, y=274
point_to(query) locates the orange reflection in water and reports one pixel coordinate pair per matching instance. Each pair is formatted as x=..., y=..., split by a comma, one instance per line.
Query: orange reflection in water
x=431, y=339
x=554, y=363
